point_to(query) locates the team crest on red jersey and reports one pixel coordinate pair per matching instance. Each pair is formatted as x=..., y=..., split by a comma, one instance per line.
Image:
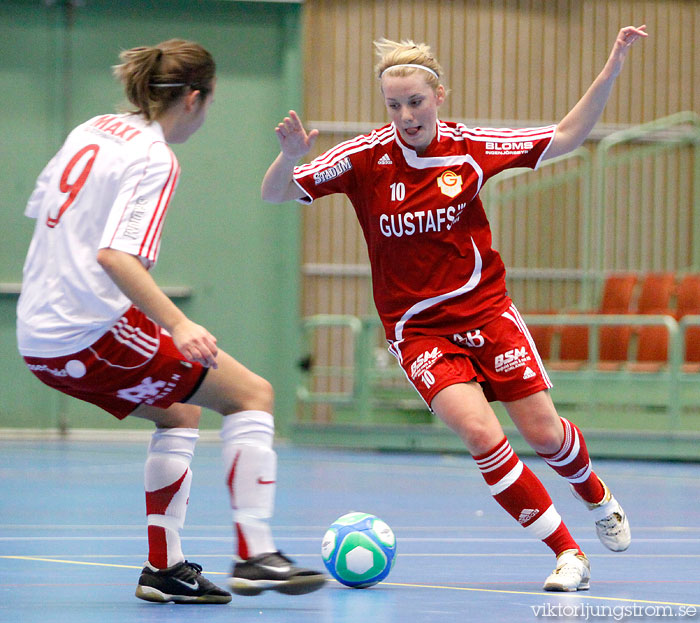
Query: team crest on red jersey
x=450, y=184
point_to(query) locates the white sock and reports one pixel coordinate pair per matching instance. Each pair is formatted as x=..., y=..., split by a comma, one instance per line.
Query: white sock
x=167, y=478
x=251, y=474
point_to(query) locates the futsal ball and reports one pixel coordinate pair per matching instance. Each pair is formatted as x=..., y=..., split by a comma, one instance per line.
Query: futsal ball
x=359, y=550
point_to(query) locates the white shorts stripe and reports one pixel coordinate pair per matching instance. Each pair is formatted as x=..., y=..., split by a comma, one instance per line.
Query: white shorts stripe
x=395, y=349
x=137, y=335
x=133, y=338
x=518, y=319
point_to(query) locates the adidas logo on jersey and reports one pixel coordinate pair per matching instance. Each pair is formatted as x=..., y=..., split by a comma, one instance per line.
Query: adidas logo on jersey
x=528, y=373
x=385, y=160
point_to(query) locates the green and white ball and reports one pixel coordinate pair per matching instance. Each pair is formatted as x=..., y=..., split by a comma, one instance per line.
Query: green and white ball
x=359, y=550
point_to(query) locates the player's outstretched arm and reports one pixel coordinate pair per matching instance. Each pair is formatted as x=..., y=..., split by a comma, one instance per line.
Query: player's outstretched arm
x=191, y=339
x=277, y=185
x=578, y=123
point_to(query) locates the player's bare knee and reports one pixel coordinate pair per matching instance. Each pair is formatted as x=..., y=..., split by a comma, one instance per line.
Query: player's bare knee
x=192, y=417
x=262, y=396
x=543, y=435
x=258, y=396
x=543, y=442
x=479, y=439
x=177, y=415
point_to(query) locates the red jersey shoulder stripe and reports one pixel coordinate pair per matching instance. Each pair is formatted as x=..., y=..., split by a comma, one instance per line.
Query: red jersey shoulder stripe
x=153, y=252
x=382, y=135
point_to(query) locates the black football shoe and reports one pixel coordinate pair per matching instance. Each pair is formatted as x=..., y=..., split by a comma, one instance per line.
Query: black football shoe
x=182, y=583
x=273, y=571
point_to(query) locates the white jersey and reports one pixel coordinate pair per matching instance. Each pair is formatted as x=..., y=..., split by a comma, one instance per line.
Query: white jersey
x=108, y=186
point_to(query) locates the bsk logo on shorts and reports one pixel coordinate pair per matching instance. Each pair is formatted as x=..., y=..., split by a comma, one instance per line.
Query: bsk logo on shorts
x=424, y=362
x=421, y=366
x=512, y=359
x=148, y=388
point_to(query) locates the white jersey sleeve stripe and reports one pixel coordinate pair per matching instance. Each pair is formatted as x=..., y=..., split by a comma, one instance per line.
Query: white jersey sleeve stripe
x=344, y=149
x=332, y=154
x=331, y=159
x=502, y=134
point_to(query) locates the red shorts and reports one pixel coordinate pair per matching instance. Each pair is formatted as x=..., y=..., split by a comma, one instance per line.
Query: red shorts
x=501, y=356
x=134, y=363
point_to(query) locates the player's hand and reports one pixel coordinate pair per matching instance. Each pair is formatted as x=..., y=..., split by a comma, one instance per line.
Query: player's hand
x=626, y=38
x=195, y=343
x=294, y=140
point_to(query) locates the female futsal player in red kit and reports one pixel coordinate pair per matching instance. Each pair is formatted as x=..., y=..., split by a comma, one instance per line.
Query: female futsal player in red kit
x=439, y=286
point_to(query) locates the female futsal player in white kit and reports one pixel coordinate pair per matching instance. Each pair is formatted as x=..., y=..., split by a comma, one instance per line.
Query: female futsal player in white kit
x=93, y=324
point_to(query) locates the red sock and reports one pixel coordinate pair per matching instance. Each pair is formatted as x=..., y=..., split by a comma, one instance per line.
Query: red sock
x=572, y=462
x=516, y=488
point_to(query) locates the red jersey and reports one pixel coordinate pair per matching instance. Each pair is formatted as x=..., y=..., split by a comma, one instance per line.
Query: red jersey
x=434, y=271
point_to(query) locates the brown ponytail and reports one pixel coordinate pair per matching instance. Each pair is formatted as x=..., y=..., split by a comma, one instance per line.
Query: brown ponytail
x=156, y=77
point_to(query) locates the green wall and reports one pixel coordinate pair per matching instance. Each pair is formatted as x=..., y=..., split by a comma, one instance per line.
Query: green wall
x=239, y=256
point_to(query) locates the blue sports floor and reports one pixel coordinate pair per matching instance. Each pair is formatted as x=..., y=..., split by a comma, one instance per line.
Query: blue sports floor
x=72, y=539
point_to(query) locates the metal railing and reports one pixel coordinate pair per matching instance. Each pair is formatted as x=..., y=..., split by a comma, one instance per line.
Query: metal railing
x=543, y=193
x=630, y=179
x=589, y=384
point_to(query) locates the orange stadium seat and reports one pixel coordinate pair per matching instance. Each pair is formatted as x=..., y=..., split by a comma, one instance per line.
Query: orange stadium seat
x=688, y=303
x=688, y=300
x=657, y=290
x=618, y=290
x=542, y=336
x=652, y=341
x=617, y=293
